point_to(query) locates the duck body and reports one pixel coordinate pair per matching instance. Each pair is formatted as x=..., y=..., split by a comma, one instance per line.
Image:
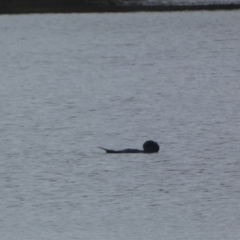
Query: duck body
x=127, y=150
x=148, y=147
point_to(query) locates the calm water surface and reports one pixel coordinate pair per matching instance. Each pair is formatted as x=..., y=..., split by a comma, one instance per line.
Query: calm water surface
x=71, y=83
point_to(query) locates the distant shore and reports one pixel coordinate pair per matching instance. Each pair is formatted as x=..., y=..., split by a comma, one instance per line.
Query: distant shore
x=24, y=7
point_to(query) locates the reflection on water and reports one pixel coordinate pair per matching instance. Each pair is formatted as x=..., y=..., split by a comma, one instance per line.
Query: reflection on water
x=71, y=83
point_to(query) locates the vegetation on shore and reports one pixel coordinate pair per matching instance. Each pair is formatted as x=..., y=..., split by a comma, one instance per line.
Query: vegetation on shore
x=65, y=6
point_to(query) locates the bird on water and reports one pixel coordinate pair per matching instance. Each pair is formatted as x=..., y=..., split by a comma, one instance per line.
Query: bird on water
x=148, y=147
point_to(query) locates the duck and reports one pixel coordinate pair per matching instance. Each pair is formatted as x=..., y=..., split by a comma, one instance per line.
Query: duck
x=148, y=147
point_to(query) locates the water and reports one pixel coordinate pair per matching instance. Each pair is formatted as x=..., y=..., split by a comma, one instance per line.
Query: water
x=71, y=83
x=180, y=2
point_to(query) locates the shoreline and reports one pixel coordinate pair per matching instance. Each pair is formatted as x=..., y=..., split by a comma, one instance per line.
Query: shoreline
x=65, y=8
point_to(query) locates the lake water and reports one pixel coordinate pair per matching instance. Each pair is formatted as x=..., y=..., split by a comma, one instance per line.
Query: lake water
x=73, y=82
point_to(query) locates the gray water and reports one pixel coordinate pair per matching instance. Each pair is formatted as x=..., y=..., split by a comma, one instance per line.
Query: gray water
x=71, y=83
x=180, y=2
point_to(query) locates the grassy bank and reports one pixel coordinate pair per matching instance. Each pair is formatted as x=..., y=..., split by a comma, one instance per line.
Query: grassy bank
x=75, y=6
